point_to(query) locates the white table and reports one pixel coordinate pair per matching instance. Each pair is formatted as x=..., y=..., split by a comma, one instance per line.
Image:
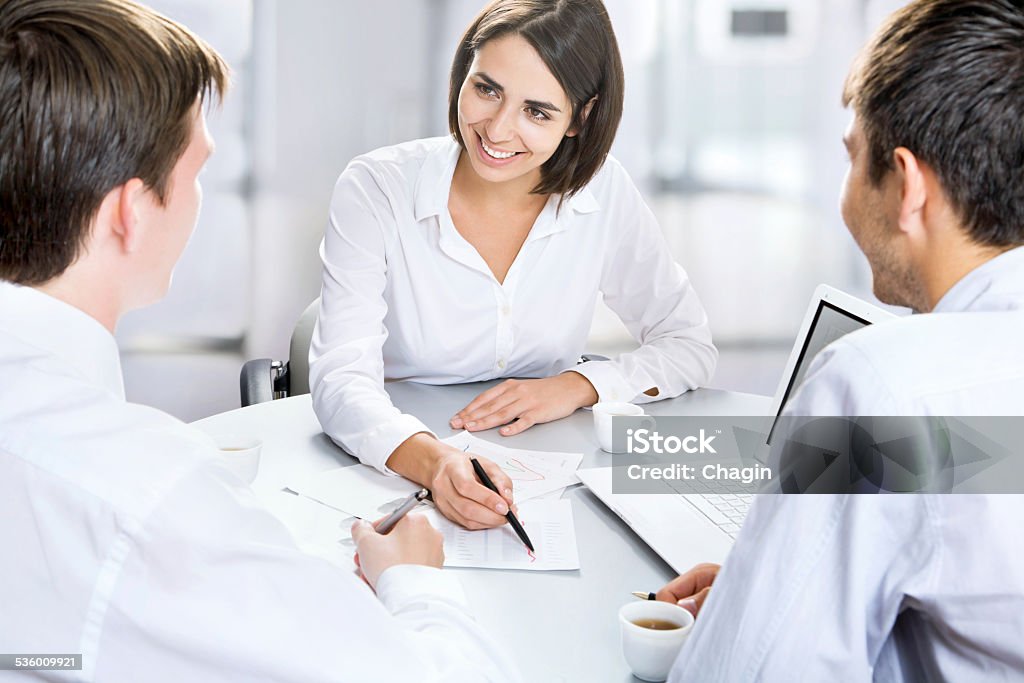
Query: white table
x=564, y=623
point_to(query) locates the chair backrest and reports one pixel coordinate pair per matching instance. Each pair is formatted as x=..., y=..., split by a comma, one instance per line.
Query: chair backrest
x=298, y=350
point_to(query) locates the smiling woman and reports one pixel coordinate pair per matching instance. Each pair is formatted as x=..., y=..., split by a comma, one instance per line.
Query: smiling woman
x=569, y=54
x=505, y=126
x=481, y=256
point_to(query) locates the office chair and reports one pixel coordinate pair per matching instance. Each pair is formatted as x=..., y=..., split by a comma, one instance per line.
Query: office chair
x=263, y=379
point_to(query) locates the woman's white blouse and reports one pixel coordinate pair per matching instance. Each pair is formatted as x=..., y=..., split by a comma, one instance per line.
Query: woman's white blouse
x=406, y=297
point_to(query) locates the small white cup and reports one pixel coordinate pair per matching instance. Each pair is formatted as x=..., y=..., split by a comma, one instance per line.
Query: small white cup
x=650, y=653
x=241, y=454
x=603, y=414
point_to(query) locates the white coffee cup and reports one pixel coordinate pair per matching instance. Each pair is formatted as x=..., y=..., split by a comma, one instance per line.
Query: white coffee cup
x=603, y=414
x=650, y=653
x=241, y=454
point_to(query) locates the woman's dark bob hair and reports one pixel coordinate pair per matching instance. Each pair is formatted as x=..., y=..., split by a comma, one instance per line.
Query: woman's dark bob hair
x=576, y=41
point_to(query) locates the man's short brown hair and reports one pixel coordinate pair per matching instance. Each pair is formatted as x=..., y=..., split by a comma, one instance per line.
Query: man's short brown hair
x=577, y=43
x=945, y=79
x=93, y=93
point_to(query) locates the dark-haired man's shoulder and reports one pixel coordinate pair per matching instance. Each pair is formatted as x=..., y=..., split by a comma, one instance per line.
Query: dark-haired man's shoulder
x=957, y=363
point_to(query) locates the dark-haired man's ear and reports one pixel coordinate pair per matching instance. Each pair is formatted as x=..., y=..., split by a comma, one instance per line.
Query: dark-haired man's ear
x=573, y=131
x=913, y=188
x=125, y=223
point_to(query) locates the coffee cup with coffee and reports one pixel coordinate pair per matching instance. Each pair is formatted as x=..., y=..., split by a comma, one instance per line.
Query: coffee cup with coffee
x=241, y=454
x=653, y=632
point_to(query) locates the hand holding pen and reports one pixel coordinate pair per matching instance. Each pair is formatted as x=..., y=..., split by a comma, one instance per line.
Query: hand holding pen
x=510, y=516
x=406, y=539
x=689, y=591
x=459, y=495
x=389, y=522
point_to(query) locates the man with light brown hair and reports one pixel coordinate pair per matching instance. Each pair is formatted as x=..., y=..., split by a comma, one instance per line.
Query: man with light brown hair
x=124, y=539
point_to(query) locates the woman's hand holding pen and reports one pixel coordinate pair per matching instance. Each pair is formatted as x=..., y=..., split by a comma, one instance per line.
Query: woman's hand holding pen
x=454, y=486
x=691, y=589
x=412, y=541
x=459, y=495
x=527, y=402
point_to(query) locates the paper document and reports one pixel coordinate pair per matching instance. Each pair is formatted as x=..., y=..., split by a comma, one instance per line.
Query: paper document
x=533, y=473
x=548, y=523
x=362, y=491
x=316, y=528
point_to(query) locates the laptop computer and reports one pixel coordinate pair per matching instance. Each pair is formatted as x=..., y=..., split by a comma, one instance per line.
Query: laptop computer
x=688, y=528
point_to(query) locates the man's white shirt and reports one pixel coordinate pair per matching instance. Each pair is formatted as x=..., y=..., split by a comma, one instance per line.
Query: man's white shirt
x=895, y=587
x=405, y=296
x=125, y=540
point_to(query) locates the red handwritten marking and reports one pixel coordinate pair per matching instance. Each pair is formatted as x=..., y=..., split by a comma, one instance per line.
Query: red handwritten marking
x=533, y=558
x=528, y=474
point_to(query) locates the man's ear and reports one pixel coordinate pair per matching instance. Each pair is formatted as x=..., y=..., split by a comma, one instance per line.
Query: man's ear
x=913, y=187
x=127, y=202
x=573, y=131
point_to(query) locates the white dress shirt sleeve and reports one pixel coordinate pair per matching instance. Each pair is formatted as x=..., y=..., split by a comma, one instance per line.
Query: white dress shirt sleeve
x=212, y=587
x=816, y=585
x=807, y=573
x=812, y=589
x=653, y=297
x=346, y=364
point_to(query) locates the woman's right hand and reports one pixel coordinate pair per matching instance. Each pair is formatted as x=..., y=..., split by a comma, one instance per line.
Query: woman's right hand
x=461, y=497
x=457, y=492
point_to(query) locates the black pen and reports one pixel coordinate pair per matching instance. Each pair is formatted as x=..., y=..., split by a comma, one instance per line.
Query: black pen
x=644, y=596
x=510, y=516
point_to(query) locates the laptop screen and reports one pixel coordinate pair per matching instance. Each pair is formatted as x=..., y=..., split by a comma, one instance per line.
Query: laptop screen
x=830, y=323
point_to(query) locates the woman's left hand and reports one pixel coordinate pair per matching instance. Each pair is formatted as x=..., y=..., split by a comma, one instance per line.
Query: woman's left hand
x=527, y=402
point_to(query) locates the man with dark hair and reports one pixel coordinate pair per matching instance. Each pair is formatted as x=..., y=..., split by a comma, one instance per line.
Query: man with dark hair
x=902, y=587
x=124, y=537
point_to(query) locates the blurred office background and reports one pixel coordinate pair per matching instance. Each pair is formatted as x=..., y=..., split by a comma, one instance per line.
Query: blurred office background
x=732, y=130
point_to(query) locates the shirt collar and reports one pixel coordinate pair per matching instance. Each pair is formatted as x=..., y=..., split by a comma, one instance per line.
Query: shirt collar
x=49, y=324
x=435, y=180
x=435, y=183
x=997, y=284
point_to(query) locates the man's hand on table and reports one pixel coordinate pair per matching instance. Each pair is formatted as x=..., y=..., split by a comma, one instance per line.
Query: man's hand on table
x=448, y=473
x=691, y=589
x=521, y=403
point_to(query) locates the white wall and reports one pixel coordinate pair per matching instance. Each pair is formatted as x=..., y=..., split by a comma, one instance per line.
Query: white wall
x=336, y=79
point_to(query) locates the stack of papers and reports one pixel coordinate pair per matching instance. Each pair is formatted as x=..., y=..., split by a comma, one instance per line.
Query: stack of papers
x=361, y=491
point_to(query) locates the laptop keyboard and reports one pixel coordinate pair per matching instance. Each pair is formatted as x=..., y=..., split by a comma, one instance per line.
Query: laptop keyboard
x=725, y=510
